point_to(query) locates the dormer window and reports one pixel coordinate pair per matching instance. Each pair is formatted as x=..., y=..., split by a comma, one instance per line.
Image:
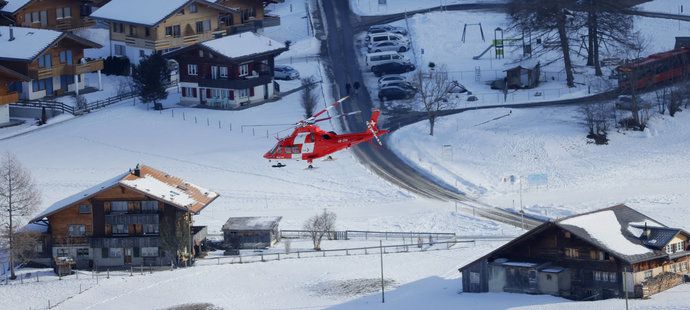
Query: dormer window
x=193, y=8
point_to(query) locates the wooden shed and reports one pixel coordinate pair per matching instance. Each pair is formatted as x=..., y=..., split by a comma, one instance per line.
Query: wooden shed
x=250, y=233
x=525, y=75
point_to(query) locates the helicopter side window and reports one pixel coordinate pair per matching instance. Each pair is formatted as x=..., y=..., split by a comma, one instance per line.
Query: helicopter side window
x=312, y=137
x=288, y=150
x=295, y=150
x=274, y=150
x=326, y=137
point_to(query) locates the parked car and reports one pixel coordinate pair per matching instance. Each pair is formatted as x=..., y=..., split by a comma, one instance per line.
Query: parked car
x=383, y=37
x=388, y=46
x=625, y=102
x=395, y=93
x=391, y=78
x=281, y=72
x=387, y=28
x=373, y=59
x=393, y=67
x=401, y=84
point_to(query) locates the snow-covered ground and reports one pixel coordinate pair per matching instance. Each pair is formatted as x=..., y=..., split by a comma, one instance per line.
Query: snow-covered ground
x=562, y=174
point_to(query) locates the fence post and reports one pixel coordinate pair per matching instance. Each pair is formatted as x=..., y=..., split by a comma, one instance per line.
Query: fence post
x=195, y=121
x=141, y=270
x=150, y=269
x=278, y=256
x=218, y=260
x=131, y=271
x=240, y=256
x=37, y=280
x=298, y=254
x=230, y=126
x=262, y=257
x=219, y=127
x=108, y=273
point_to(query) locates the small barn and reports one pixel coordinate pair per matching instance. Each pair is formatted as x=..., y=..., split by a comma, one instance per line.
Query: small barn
x=525, y=75
x=251, y=232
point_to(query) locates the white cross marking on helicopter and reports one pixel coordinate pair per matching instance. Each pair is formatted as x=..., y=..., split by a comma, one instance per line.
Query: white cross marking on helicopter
x=300, y=138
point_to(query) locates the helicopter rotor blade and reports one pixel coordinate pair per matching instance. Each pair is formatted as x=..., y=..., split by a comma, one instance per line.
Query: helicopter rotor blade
x=332, y=106
x=337, y=116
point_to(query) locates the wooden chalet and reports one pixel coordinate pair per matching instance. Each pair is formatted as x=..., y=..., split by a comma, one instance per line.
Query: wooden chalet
x=61, y=15
x=140, y=217
x=249, y=15
x=603, y=254
x=250, y=233
x=8, y=78
x=54, y=61
x=228, y=72
x=139, y=28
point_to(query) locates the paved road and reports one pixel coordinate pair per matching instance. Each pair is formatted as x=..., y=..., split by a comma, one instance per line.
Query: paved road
x=381, y=160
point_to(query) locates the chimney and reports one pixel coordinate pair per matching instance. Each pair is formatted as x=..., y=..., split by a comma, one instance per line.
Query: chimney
x=137, y=171
x=11, y=34
x=647, y=231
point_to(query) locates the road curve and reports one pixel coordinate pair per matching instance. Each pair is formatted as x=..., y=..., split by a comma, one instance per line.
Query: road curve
x=344, y=69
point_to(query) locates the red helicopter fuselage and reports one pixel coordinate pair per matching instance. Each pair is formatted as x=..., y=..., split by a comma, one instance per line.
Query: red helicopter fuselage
x=309, y=142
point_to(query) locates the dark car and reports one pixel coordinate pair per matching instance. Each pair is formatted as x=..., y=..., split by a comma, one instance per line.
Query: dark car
x=392, y=68
x=401, y=84
x=395, y=92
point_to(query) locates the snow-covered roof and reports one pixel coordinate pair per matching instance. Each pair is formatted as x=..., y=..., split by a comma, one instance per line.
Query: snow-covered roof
x=27, y=43
x=520, y=264
x=604, y=228
x=244, y=44
x=148, y=12
x=80, y=196
x=153, y=183
x=14, y=5
x=252, y=223
x=552, y=270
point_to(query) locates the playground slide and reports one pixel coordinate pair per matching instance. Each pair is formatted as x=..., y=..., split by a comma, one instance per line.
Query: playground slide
x=484, y=52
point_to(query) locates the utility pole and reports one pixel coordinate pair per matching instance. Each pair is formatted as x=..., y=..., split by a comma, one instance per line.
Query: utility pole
x=383, y=294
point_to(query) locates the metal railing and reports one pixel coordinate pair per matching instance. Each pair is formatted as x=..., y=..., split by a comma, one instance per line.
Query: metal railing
x=349, y=234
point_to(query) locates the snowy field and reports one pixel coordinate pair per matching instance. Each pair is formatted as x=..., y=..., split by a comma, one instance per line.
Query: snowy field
x=561, y=173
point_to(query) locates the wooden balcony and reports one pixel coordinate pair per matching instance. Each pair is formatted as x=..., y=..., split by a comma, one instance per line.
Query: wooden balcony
x=127, y=219
x=58, y=70
x=125, y=242
x=9, y=98
x=177, y=42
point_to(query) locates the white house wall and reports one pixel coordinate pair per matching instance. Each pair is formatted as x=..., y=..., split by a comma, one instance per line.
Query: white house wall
x=29, y=94
x=132, y=52
x=4, y=113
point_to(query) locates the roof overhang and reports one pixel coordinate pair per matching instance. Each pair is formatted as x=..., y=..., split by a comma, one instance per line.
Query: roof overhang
x=216, y=6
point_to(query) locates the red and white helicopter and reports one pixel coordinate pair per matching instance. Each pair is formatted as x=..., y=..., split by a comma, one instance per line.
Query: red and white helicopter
x=309, y=142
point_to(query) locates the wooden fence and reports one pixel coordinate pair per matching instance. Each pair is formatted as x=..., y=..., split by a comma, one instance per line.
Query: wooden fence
x=365, y=234
x=386, y=249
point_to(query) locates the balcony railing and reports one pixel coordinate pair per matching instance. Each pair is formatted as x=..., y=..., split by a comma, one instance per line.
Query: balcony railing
x=62, y=69
x=70, y=240
x=129, y=219
x=9, y=98
x=125, y=242
x=242, y=83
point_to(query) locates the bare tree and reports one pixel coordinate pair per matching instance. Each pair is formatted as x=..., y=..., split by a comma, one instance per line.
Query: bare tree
x=597, y=118
x=661, y=99
x=553, y=22
x=309, y=97
x=319, y=225
x=675, y=102
x=433, y=90
x=19, y=198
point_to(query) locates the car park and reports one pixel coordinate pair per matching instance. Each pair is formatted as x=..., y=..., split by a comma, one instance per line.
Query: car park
x=282, y=72
x=373, y=59
x=395, y=93
x=394, y=67
x=388, y=46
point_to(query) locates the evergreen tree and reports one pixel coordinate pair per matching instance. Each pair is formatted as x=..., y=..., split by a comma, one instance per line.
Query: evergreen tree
x=151, y=77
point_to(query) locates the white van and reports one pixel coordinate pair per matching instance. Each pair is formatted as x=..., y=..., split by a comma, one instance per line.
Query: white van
x=383, y=37
x=375, y=59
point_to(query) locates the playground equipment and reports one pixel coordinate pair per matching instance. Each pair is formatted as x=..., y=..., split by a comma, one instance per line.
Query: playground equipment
x=499, y=43
x=464, y=31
